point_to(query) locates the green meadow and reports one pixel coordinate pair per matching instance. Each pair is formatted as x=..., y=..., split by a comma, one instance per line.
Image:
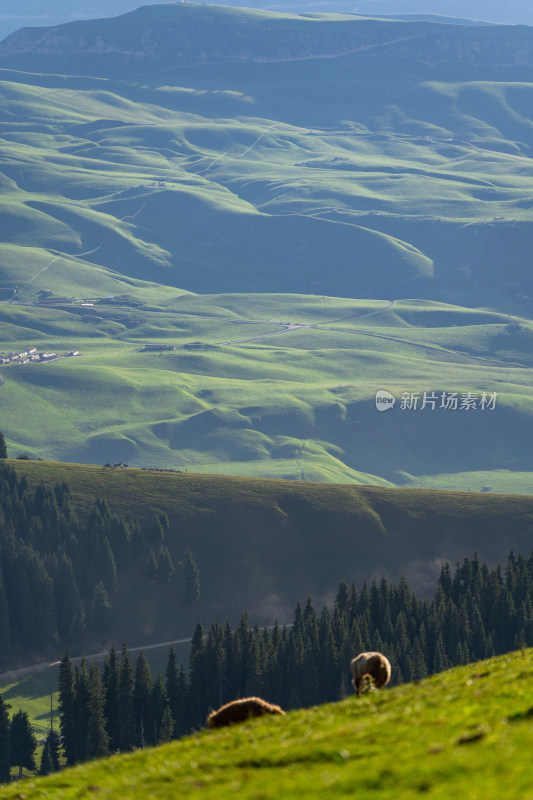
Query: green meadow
x=383, y=210
x=243, y=394
x=466, y=731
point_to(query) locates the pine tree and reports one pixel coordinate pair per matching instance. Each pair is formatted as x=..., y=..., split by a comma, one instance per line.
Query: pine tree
x=100, y=609
x=108, y=568
x=165, y=567
x=191, y=576
x=158, y=703
x=445, y=580
x=53, y=744
x=67, y=709
x=5, y=628
x=167, y=726
x=418, y=662
x=5, y=742
x=81, y=705
x=327, y=660
x=157, y=530
x=111, y=709
x=125, y=703
x=171, y=683
x=440, y=660
x=180, y=721
x=23, y=742
x=46, y=763
x=67, y=598
x=197, y=702
x=3, y=446
x=97, y=737
x=141, y=699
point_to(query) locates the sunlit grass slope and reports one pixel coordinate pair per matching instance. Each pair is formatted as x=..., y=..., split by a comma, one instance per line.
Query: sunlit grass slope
x=466, y=732
x=243, y=393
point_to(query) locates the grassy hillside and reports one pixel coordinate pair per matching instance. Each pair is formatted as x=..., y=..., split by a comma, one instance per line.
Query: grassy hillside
x=466, y=731
x=208, y=208
x=258, y=398
x=280, y=541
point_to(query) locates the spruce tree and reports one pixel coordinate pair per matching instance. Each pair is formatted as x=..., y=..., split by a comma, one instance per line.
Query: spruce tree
x=166, y=731
x=180, y=720
x=164, y=567
x=197, y=696
x=191, y=577
x=53, y=743
x=3, y=446
x=67, y=709
x=100, y=609
x=81, y=705
x=50, y=753
x=125, y=703
x=111, y=709
x=23, y=742
x=67, y=597
x=141, y=699
x=5, y=628
x=5, y=742
x=46, y=763
x=440, y=660
x=158, y=703
x=171, y=683
x=97, y=737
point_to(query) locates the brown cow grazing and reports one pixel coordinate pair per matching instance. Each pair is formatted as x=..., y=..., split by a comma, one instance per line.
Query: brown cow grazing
x=241, y=711
x=370, y=665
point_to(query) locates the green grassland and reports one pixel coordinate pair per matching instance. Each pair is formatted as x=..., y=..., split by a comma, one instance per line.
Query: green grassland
x=466, y=732
x=293, y=404
x=210, y=206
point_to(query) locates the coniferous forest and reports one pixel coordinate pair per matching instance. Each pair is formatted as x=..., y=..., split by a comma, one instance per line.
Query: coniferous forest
x=476, y=612
x=58, y=574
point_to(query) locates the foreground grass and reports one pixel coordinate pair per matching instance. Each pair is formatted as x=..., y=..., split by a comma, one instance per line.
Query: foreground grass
x=467, y=731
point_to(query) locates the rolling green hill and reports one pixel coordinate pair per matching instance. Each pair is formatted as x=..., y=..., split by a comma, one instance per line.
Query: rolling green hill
x=234, y=171
x=280, y=541
x=465, y=731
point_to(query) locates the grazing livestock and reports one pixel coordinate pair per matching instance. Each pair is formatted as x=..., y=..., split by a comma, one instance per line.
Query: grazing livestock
x=241, y=711
x=371, y=665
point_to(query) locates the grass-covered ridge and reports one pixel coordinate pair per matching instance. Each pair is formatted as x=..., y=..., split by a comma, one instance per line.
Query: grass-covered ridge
x=335, y=532
x=467, y=731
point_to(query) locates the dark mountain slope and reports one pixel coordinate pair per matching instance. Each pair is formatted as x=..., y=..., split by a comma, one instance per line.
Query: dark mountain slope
x=178, y=35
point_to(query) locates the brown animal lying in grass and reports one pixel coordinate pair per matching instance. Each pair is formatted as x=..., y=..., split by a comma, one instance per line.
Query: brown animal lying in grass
x=371, y=665
x=241, y=711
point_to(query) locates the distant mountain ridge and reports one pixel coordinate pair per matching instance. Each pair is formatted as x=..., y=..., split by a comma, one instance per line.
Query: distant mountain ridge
x=171, y=35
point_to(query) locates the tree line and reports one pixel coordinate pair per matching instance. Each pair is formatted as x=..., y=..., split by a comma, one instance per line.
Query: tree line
x=58, y=573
